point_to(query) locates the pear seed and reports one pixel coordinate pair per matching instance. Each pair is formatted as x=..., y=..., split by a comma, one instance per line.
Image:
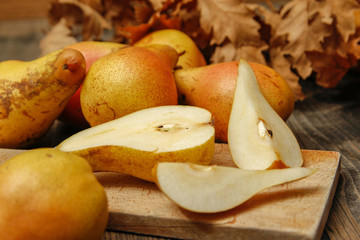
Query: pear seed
x=263, y=131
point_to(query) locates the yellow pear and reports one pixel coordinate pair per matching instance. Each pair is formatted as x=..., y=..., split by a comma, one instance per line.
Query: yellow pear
x=46, y=194
x=190, y=55
x=133, y=144
x=212, y=87
x=128, y=80
x=34, y=93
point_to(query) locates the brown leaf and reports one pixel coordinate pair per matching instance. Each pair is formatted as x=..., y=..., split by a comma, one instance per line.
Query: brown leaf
x=336, y=58
x=57, y=38
x=156, y=22
x=229, y=52
x=225, y=19
x=344, y=16
x=76, y=12
x=309, y=31
x=233, y=27
x=281, y=63
x=330, y=67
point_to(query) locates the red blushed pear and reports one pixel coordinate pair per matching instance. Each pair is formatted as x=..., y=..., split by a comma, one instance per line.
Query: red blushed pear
x=92, y=51
x=212, y=87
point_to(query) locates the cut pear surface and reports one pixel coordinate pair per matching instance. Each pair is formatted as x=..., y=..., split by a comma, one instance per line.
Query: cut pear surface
x=210, y=189
x=133, y=144
x=258, y=137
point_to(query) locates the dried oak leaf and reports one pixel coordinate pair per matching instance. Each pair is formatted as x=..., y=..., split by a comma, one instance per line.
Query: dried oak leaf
x=156, y=22
x=305, y=33
x=234, y=30
x=76, y=12
x=335, y=60
x=143, y=17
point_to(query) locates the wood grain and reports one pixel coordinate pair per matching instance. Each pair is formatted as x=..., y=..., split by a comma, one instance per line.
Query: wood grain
x=329, y=119
x=296, y=210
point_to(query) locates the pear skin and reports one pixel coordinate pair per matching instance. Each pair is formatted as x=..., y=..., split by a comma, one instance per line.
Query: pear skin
x=34, y=93
x=125, y=81
x=164, y=52
x=190, y=55
x=212, y=87
x=92, y=51
x=46, y=194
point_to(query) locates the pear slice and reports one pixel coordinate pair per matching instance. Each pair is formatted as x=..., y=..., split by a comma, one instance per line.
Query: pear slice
x=210, y=189
x=258, y=137
x=133, y=144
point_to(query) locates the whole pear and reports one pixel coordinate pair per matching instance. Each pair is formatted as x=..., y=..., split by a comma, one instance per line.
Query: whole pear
x=212, y=87
x=92, y=51
x=190, y=55
x=46, y=194
x=127, y=80
x=34, y=93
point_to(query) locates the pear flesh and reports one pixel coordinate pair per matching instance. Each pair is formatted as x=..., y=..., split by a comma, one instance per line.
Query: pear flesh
x=258, y=137
x=133, y=144
x=211, y=189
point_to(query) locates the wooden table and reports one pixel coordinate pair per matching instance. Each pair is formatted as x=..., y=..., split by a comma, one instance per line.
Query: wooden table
x=329, y=119
x=326, y=120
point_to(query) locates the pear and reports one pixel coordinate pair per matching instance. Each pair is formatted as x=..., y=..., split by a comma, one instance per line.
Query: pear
x=92, y=51
x=133, y=144
x=46, y=194
x=213, y=86
x=34, y=93
x=211, y=189
x=258, y=137
x=128, y=80
x=190, y=55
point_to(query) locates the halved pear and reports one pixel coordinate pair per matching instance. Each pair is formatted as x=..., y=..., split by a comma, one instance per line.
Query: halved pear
x=258, y=137
x=133, y=144
x=210, y=189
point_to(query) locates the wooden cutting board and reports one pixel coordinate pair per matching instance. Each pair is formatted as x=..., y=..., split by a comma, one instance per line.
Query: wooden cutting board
x=296, y=210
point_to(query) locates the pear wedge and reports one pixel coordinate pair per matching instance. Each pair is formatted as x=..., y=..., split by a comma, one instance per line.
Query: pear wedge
x=211, y=189
x=133, y=144
x=258, y=137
